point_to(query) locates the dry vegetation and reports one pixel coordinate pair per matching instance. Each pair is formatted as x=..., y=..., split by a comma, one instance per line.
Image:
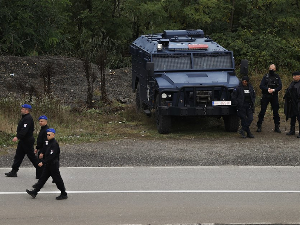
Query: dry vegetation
x=115, y=120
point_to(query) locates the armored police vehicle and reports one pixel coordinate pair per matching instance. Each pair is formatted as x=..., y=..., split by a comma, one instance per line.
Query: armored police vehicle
x=183, y=73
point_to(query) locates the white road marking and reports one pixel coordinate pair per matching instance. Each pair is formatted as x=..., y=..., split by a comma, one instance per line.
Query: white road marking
x=160, y=191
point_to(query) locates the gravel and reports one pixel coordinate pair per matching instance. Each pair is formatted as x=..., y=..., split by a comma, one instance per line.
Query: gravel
x=233, y=150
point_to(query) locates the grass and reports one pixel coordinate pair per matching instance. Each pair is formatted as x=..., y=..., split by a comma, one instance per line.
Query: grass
x=110, y=122
x=76, y=125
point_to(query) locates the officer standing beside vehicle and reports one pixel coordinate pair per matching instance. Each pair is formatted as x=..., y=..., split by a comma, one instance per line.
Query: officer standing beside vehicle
x=40, y=143
x=270, y=86
x=292, y=103
x=25, y=141
x=51, y=167
x=243, y=97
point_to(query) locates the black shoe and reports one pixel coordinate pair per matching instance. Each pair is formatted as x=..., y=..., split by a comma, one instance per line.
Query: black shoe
x=298, y=136
x=32, y=193
x=35, y=185
x=258, y=128
x=292, y=131
x=242, y=133
x=277, y=129
x=12, y=173
x=250, y=135
x=62, y=197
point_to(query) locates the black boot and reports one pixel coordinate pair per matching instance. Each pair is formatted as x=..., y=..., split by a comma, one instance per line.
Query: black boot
x=292, y=131
x=242, y=133
x=62, y=196
x=249, y=134
x=258, y=128
x=12, y=173
x=32, y=193
x=277, y=129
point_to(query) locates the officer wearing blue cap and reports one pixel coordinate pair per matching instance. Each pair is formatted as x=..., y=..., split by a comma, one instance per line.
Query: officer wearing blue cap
x=41, y=143
x=25, y=141
x=51, y=164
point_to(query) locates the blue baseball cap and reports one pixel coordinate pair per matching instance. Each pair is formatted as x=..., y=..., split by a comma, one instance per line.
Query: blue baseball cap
x=26, y=106
x=43, y=117
x=51, y=130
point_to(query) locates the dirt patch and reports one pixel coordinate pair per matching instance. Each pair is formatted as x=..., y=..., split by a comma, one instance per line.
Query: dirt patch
x=25, y=76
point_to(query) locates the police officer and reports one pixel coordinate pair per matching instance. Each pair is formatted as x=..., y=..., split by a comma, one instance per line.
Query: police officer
x=51, y=164
x=243, y=97
x=40, y=143
x=26, y=141
x=292, y=103
x=270, y=86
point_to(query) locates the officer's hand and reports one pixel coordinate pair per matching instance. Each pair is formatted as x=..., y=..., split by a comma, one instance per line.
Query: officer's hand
x=41, y=156
x=40, y=164
x=15, y=139
x=271, y=90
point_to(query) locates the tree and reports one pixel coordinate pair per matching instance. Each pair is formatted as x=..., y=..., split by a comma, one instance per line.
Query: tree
x=31, y=27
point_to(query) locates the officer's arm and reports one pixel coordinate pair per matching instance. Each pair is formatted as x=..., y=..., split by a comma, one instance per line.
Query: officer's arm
x=263, y=84
x=277, y=89
x=254, y=95
x=39, y=142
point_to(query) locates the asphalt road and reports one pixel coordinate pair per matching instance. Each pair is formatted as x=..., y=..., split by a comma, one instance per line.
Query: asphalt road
x=156, y=195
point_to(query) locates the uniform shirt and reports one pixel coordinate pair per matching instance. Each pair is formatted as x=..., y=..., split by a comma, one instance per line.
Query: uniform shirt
x=52, y=152
x=247, y=97
x=273, y=82
x=25, y=127
x=42, y=138
x=238, y=95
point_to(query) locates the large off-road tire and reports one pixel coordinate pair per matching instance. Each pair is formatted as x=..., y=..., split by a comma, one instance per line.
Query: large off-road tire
x=231, y=123
x=163, y=123
x=138, y=102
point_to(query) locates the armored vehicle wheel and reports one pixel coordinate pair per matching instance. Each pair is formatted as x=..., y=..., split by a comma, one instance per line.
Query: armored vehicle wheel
x=138, y=104
x=163, y=123
x=231, y=123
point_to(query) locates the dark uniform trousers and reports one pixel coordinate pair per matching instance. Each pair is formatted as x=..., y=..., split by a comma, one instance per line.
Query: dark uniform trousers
x=246, y=115
x=24, y=148
x=293, y=120
x=266, y=99
x=51, y=169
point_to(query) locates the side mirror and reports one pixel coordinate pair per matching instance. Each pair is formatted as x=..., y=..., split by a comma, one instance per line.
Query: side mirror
x=244, y=67
x=150, y=68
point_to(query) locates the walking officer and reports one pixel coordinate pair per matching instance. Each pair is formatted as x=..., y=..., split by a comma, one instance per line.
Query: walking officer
x=40, y=143
x=292, y=103
x=243, y=96
x=25, y=141
x=51, y=168
x=270, y=85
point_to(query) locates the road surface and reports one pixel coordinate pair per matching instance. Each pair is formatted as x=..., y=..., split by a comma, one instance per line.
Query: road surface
x=156, y=195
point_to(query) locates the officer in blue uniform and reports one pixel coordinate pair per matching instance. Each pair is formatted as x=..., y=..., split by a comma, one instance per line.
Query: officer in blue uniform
x=25, y=141
x=270, y=85
x=243, y=97
x=40, y=143
x=51, y=168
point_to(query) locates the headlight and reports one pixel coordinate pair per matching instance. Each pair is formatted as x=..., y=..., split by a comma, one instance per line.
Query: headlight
x=164, y=95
